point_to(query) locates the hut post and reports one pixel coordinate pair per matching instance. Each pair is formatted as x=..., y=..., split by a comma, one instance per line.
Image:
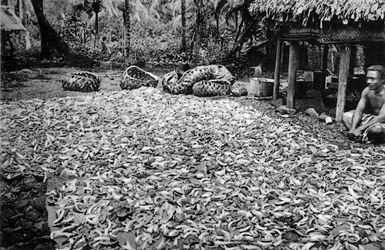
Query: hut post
x=324, y=65
x=277, y=70
x=282, y=54
x=342, y=81
x=293, y=64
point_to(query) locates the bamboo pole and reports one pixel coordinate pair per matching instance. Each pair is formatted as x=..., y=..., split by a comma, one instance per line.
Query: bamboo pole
x=277, y=70
x=293, y=64
x=342, y=81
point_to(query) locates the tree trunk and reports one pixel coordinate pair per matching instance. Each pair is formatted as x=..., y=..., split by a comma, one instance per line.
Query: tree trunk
x=51, y=42
x=239, y=31
x=239, y=42
x=127, y=28
x=198, y=30
x=217, y=26
x=183, y=16
x=96, y=29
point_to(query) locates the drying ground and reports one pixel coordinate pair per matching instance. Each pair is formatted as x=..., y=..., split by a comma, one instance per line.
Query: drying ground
x=144, y=169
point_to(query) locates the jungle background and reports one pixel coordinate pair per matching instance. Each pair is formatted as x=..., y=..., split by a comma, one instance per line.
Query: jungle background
x=154, y=32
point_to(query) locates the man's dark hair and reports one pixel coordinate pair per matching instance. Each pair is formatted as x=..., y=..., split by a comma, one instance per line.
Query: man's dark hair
x=378, y=68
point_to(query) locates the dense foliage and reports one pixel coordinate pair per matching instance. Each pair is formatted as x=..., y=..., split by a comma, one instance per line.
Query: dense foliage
x=95, y=28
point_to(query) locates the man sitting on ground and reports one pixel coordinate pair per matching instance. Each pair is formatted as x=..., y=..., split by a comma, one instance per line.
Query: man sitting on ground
x=371, y=124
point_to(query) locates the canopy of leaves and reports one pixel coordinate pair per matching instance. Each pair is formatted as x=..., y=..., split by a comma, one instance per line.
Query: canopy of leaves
x=344, y=10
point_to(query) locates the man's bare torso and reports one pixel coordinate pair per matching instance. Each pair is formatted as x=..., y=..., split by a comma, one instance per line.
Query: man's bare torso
x=375, y=101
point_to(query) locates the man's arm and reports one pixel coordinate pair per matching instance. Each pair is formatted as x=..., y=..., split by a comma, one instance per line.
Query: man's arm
x=357, y=116
x=380, y=118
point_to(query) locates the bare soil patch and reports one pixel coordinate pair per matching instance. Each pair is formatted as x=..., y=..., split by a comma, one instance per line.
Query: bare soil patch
x=46, y=83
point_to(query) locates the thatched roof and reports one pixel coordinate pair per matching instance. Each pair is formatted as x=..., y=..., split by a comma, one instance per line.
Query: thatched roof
x=8, y=20
x=351, y=35
x=334, y=35
x=325, y=10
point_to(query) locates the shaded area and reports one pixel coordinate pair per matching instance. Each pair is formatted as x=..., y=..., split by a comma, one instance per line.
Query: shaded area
x=23, y=217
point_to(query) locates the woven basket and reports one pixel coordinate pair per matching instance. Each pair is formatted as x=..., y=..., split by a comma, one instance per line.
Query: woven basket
x=81, y=81
x=210, y=80
x=211, y=88
x=135, y=77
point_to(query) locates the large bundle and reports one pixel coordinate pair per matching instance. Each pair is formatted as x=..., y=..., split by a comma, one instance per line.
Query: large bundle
x=81, y=81
x=211, y=80
x=135, y=77
x=211, y=88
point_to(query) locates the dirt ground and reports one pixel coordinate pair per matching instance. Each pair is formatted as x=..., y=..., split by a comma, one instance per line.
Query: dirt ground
x=45, y=83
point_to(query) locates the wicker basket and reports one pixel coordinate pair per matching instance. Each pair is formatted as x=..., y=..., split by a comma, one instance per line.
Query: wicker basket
x=207, y=80
x=135, y=77
x=81, y=81
x=211, y=88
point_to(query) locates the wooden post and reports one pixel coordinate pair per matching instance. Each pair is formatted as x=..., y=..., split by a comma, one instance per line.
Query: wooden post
x=342, y=81
x=293, y=64
x=277, y=70
x=324, y=65
x=282, y=53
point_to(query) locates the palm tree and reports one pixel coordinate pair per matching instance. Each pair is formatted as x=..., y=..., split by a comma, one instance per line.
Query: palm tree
x=198, y=29
x=183, y=17
x=218, y=6
x=137, y=9
x=127, y=28
x=133, y=9
x=96, y=7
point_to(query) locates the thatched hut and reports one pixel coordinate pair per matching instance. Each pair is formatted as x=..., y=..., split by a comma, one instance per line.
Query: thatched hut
x=341, y=22
x=9, y=22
